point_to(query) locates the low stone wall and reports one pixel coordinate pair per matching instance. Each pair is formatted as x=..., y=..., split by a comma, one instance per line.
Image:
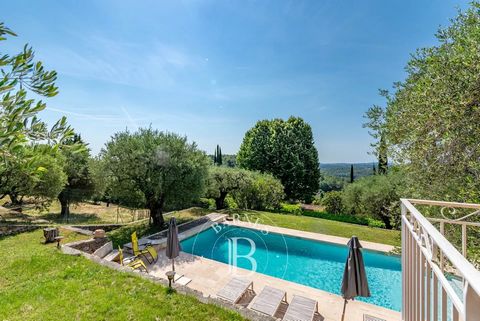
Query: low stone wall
x=10, y=230
x=105, y=227
x=89, y=246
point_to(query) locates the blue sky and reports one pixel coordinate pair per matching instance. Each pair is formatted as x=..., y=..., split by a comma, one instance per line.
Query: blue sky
x=210, y=69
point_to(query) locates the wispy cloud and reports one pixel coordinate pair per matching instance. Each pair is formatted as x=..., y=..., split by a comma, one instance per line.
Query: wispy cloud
x=135, y=64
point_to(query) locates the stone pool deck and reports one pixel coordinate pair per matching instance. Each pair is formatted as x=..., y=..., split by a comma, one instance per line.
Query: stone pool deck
x=209, y=276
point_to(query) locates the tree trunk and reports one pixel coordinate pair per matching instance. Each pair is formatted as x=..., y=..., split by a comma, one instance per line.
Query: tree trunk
x=386, y=219
x=14, y=199
x=156, y=213
x=65, y=212
x=220, y=201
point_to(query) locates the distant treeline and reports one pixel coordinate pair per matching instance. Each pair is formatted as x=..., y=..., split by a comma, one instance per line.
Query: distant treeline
x=342, y=170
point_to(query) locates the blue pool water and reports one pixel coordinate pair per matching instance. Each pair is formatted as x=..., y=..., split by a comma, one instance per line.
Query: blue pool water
x=316, y=264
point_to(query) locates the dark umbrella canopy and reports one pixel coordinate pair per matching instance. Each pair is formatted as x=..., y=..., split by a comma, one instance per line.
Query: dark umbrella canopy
x=354, y=281
x=173, y=244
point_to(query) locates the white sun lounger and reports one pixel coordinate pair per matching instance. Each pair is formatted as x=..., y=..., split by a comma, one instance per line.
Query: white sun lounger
x=235, y=289
x=269, y=300
x=301, y=309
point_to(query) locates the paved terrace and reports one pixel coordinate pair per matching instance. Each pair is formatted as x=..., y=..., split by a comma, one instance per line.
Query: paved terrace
x=209, y=276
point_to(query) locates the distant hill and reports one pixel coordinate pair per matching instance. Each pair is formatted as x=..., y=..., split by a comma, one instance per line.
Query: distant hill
x=343, y=169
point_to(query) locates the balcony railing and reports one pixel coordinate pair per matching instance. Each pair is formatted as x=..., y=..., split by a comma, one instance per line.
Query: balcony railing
x=432, y=268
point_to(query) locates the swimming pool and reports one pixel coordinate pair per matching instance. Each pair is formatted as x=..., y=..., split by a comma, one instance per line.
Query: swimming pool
x=316, y=264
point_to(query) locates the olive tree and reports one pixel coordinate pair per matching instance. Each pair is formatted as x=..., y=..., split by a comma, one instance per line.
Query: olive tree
x=432, y=121
x=79, y=186
x=155, y=169
x=20, y=128
x=222, y=181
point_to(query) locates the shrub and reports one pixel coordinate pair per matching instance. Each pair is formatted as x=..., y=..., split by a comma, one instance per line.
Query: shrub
x=347, y=218
x=260, y=191
x=375, y=223
x=294, y=209
x=333, y=202
x=376, y=196
x=317, y=199
x=208, y=203
x=230, y=202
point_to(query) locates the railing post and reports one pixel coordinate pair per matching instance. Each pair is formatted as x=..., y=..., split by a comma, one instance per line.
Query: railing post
x=464, y=240
x=472, y=304
x=404, y=260
x=442, y=231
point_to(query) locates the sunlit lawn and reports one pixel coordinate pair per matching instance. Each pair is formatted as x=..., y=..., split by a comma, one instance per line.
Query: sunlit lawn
x=87, y=213
x=38, y=282
x=318, y=225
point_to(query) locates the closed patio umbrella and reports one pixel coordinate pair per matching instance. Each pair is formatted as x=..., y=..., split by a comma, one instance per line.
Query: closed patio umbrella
x=173, y=244
x=354, y=281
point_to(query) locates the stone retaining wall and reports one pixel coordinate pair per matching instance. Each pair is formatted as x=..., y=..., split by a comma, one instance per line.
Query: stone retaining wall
x=10, y=230
x=89, y=246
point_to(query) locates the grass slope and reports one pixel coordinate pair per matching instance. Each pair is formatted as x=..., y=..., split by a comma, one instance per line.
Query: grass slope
x=318, y=225
x=37, y=282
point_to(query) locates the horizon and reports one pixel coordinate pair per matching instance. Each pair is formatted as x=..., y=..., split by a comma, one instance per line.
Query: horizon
x=209, y=71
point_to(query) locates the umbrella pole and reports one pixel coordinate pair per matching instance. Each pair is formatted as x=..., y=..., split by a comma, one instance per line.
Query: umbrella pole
x=344, y=306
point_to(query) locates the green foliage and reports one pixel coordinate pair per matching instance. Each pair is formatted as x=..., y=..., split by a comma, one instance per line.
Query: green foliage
x=287, y=151
x=20, y=127
x=100, y=178
x=376, y=122
x=224, y=180
x=156, y=170
x=207, y=203
x=45, y=182
x=259, y=191
x=79, y=184
x=230, y=202
x=347, y=218
x=376, y=196
x=333, y=202
x=294, y=209
x=331, y=183
x=432, y=121
x=217, y=158
x=342, y=170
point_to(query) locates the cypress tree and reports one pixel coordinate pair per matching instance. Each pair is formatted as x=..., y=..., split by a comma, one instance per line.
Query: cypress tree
x=219, y=156
x=374, y=169
x=215, y=157
x=352, y=178
x=382, y=157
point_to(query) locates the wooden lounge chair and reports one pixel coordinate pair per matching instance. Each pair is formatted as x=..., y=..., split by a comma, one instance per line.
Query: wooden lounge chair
x=301, y=309
x=235, y=289
x=269, y=300
x=133, y=262
x=149, y=252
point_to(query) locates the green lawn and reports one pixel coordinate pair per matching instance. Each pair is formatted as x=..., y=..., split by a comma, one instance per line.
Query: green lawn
x=37, y=282
x=318, y=225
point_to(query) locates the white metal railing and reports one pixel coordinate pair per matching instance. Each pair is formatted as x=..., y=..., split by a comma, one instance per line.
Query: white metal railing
x=427, y=290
